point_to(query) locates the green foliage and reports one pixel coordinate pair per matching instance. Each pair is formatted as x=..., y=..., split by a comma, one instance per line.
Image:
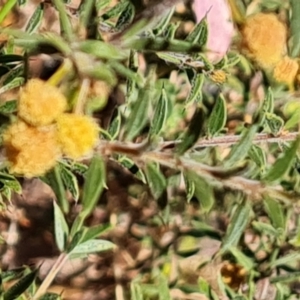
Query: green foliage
x=190, y=159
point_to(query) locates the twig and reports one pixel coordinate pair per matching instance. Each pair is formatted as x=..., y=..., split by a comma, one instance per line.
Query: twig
x=228, y=140
x=51, y=275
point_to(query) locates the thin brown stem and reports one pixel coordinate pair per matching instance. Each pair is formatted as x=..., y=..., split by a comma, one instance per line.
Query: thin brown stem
x=51, y=275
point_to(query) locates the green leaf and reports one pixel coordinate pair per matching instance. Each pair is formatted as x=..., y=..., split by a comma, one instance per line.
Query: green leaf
x=156, y=180
x=258, y=156
x=115, y=11
x=288, y=259
x=10, y=58
x=195, y=95
x=132, y=167
x=292, y=276
x=91, y=246
x=65, y=23
x=12, y=274
x=94, y=183
x=199, y=34
x=194, y=131
x=283, y=163
x=266, y=229
x=266, y=107
x=294, y=41
x=78, y=168
x=21, y=286
x=10, y=182
x=275, y=211
x=240, y=150
x=70, y=182
x=35, y=19
x=237, y=225
x=273, y=123
x=86, y=234
x=9, y=107
x=163, y=23
x=203, y=191
x=54, y=179
x=139, y=114
x=170, y=32
x=126, y=72
x=160, y=44
x=86, y=12
x=218, y=116
x=6, y=8
x=115, y=126
x=162, y=285
x=189, y=188
x=60, y=227
x=50, y=296
x=16, y=82
x=136, y=291
x=100, y=71
x=100, y=49
x=242, y=259
x=101, y=4
x=126, y=16
x=161, y=114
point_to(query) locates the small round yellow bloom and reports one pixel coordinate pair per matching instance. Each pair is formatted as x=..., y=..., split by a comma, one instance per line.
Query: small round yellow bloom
x=265, y=37
x=286, y=70
x=218, y=76
x=77, y=134
x=41, y=103
x=31, y=151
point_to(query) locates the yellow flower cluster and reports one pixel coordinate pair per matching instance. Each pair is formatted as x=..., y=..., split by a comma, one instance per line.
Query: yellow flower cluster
x=286, y=70
x=218, y=76
x=76, y=134
x=264, y=36
x=41, y=103
x=43, y=132
x=31, y=151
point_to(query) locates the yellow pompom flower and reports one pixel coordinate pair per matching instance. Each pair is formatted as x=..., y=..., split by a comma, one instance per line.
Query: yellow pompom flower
x=264, y=36
x=77, y=134
x=218, y=76
x=31, y=151
x=41, y=103
x=286, y=70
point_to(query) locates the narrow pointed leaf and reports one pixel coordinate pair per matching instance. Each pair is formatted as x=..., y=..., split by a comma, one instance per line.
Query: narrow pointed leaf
x=9, y=107
x=61, y=228
x=35, y=19
x=193, y=132
x=199, y=34
x=203, y=191
x=283, y=163
x=275, y=211
x=161, y=114
x=294, y=41
x=258, y=156
x=94, y=184
x=70, y=182
x=91, y=246
x=20, y=287
x=218, y=116
x=195, y=95
x=237, y=225
x=126, y=16
x=156, y=180
x=139, y=114
x=54, y=179
x=240, y=150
